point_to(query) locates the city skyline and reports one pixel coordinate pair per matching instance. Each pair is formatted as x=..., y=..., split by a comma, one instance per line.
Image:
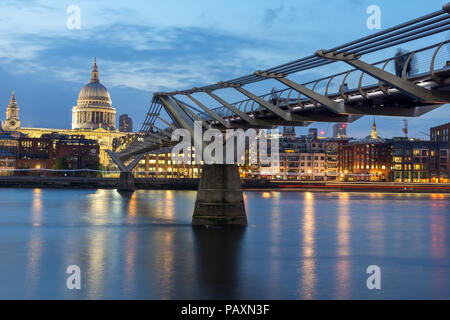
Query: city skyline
x=46, y=64
x=206, y=154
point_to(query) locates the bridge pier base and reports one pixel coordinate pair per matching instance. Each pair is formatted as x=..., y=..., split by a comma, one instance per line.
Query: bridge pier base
x=126, y=181
x=220, y=200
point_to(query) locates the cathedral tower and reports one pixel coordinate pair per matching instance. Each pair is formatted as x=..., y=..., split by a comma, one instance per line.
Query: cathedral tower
x=374, y=134
x=12, y=122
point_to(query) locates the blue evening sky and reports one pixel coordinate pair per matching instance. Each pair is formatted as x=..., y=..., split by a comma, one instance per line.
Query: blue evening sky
x=143, y=46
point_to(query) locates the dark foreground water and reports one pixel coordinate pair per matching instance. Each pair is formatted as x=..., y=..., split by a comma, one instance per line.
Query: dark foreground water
x=297, y=246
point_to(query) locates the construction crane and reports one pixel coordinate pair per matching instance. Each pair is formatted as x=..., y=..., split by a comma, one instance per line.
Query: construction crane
x=405, y=127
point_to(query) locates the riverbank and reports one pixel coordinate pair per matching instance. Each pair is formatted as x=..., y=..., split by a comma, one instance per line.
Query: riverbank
x=192, y=184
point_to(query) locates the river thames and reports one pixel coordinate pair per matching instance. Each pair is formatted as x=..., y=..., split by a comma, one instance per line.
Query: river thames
x=298, y=245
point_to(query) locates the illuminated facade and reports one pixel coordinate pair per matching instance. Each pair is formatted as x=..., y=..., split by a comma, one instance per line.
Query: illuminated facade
x=365, y=162
x=8, y=150
x=160, y=165
x=420, y=161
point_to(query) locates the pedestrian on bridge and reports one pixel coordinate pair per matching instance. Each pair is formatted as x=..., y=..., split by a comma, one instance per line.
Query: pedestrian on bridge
x=400, y=60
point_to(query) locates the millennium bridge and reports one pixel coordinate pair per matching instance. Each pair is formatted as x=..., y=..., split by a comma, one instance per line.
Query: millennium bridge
x=417, y=85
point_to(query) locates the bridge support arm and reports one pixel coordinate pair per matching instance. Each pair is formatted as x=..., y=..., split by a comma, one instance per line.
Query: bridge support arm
x=331, y=105
x=121, y=164
x=286, y=116
x=272, y=108
x=212, y=114
x=241, y=114
x=187, y=109
x=126, y=179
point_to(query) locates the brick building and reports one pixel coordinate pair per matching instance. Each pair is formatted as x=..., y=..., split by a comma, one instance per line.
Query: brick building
x=76, y=152
x=35, y=153
x=57, y=152
x=440, y=134
x=365, y=161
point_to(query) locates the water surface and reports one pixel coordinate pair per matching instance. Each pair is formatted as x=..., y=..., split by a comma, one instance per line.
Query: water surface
x=298, y=245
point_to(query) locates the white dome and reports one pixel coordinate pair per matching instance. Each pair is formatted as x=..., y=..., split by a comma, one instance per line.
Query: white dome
x=94, y=94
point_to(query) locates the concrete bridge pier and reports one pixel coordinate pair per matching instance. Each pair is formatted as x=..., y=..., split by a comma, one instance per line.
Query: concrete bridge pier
x=126, y=182
x=220, y=200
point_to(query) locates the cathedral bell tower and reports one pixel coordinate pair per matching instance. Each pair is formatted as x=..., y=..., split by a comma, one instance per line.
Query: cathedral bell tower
x=12, y=122
x=374, y=134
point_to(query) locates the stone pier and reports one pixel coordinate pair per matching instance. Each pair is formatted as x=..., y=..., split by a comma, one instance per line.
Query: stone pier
x=126, y=181
x=220, y=201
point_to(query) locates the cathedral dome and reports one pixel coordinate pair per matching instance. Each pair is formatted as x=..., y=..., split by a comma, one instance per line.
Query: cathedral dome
x=94, y=94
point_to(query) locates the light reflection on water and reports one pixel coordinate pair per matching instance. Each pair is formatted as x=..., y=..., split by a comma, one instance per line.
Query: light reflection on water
x=309, y=262
x=297, y=246
x=343, y=247
x=34, y=245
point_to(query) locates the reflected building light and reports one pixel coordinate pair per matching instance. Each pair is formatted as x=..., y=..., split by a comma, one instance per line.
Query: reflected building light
x=309, y=196
x=275, y=239
x=132, y=206
x=34, y=246
x=308, y=245
x=376, y=195
x=266, y=195
x=165, y=257
x=436, y=196
x=169, y=205
x=343, y=225
x=438, y=247
x=96, y=263
x=36, y=213
x=130, y=260
x=438, y=234
x=276, y=195
x=343, y=246
x=34, y=259
x=99, y=207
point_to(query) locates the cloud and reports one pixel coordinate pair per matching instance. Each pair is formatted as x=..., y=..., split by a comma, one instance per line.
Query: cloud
x=271, y=15
x=145, y=57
